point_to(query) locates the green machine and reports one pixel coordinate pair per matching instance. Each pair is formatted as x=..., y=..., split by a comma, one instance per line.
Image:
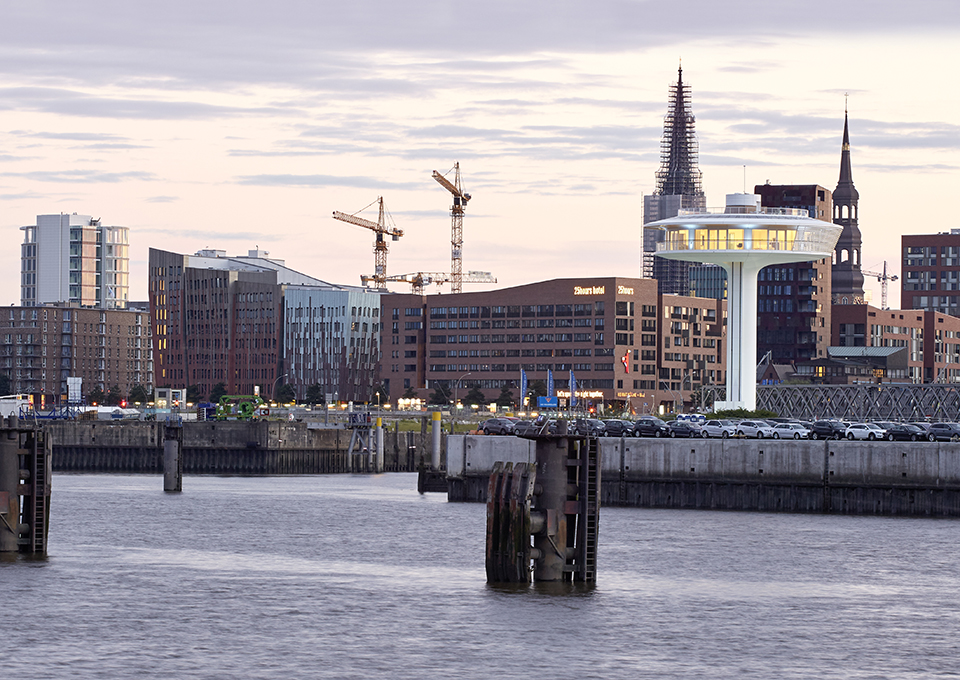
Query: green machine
x=238, y=407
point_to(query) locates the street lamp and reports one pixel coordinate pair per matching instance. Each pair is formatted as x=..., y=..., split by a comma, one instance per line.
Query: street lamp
x=456, y=387
x=273, y=390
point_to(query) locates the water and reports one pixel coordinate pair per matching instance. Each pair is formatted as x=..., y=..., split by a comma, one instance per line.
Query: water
x=361, y=577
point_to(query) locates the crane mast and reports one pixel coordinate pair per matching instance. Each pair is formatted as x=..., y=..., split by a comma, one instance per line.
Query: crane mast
x=460, y=200
x=883, y=279
x=380, y=245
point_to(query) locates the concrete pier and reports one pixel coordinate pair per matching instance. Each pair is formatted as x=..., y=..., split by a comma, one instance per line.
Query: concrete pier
x=884, y=478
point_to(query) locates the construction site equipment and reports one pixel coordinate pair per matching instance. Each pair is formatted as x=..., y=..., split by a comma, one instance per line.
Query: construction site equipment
x=380, y=246
x=420, y=280
x=883, y=279
x=460, y=200
x=238, y=406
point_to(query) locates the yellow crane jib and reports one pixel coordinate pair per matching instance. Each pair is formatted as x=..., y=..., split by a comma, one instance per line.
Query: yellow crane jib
x=380, y=246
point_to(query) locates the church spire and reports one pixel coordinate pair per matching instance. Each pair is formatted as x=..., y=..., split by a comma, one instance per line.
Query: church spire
x=847, y=279
x=846, y=191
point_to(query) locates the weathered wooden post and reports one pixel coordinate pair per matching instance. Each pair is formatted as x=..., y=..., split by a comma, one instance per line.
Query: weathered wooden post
x=172, y=458
x=556, y=503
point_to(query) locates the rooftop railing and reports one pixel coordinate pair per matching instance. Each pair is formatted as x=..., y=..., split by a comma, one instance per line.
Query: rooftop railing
x=747, y=210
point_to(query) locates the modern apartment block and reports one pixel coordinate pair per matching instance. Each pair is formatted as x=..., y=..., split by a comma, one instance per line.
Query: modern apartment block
x=794, y=300
x=931, y=272
x=623, y=342
x=250, y=322
x=930, y=340
x=43, y=346
x=74, y=259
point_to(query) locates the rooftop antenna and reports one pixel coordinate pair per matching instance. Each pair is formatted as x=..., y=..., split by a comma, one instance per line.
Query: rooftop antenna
x=744, y=178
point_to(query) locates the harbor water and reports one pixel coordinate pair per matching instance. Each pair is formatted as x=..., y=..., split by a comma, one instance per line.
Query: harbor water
x=343, y=576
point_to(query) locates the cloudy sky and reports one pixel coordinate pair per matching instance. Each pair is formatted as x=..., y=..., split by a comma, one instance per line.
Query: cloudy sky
x=240, y=124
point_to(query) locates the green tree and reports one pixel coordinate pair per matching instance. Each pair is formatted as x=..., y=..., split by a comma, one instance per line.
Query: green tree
x=114, y=396
x=194, y=394
x=96, y=396
x=410, y=393
x=475, y=396
x=285, y=394
x=217, y=391
x=506, y=398
x=315, y=394
x=439, y=397
x=535, y=389
x=138, y=394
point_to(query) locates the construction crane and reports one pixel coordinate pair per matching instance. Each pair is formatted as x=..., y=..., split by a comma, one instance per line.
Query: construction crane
x=380, y=247
x=460, y=200
x=883, y=279
x=420, y=280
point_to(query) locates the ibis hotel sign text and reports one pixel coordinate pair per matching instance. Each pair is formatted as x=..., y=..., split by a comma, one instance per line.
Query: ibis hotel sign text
x=600, y=290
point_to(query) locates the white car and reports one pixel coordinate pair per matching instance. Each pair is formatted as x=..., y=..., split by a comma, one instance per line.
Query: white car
x=718, y=428
x=791, y=431
x=867, y=431
x=754, y=428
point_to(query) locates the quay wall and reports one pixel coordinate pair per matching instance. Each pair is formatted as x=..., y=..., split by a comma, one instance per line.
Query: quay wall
x=226, y=447
x=843, y=477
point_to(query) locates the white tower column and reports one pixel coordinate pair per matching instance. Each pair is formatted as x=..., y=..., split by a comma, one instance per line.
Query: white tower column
x=741, y=336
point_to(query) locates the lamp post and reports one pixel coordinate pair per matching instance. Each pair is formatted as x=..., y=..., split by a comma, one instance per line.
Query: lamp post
x=456, y=387
x=273, y=390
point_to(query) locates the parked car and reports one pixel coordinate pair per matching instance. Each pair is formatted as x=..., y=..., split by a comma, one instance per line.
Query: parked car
x=790, y=431
x=754, y=428
x=828, y=429
x=650, y=426
x=683, y=428
x=528, y=428
x=617, y=428
x=719, y=428
x=868, y=431
x=902, y=431
x=588, y=427
x=497, y=426
x=943, y=432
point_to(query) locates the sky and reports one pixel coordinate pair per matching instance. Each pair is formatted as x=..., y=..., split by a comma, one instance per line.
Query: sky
x=237, y=125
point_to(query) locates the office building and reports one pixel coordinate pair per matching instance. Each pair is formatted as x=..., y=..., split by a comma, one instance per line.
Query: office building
x=74, y=259
x=253, y=324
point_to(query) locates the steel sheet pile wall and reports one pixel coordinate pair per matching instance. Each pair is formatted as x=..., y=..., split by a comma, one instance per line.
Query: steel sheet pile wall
x=249, y=448
x=890, y=478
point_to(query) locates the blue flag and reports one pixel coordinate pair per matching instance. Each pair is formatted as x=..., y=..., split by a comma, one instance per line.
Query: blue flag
x=523, y=386
x=549, y=383
x=573, y=389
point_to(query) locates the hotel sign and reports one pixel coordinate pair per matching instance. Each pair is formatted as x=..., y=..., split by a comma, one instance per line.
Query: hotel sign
x=589, y=290
x=582, y=394
x=624, y=290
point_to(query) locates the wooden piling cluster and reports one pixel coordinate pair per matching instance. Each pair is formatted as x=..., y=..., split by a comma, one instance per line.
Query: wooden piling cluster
x=25, y=466
x=555, y=503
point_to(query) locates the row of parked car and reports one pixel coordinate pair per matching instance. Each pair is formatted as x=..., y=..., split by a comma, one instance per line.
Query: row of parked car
x=651, y=426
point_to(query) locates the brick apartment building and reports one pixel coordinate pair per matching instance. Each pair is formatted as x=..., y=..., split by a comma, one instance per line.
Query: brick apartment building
x=43, y=346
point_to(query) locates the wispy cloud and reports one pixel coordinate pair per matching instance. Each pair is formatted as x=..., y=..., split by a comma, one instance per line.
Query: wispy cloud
x=323, y=181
